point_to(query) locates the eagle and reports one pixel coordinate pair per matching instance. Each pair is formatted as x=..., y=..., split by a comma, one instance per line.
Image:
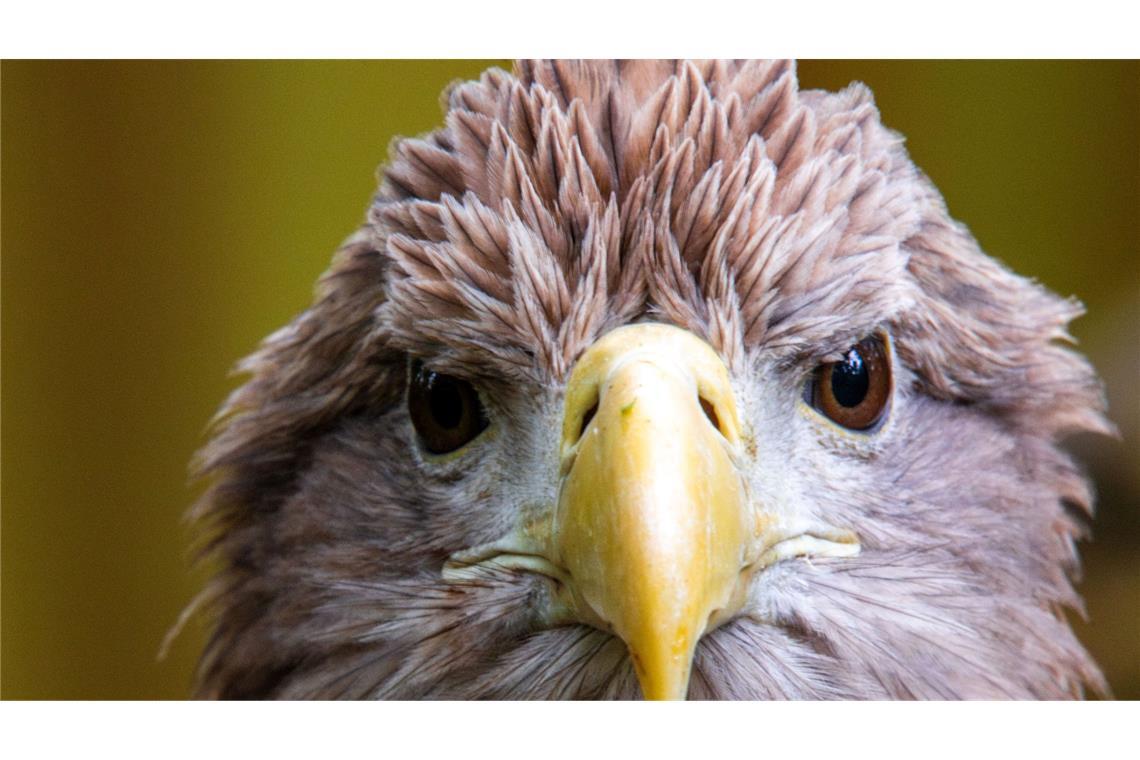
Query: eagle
x=654, y=379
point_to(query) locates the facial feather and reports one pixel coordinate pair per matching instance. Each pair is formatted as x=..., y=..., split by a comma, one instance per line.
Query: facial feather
x=780, y=225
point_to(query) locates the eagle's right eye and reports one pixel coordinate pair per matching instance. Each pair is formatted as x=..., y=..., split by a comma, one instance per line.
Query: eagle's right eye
x=445, y=410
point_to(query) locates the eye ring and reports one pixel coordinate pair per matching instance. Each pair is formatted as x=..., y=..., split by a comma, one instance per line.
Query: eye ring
x=446, y=411
x=854, y=392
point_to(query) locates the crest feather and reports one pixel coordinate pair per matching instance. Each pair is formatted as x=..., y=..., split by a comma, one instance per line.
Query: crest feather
x=668, y=158
x=706, y=177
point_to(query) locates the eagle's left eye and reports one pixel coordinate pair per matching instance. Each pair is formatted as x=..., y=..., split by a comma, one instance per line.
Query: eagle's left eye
x=853, y=392
x=445, y=410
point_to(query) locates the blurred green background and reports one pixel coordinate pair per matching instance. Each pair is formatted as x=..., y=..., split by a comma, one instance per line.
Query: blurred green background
x=159, y=218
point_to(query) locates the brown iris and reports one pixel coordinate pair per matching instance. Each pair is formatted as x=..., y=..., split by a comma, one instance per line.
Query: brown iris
x=854, y=391
x=445, y=410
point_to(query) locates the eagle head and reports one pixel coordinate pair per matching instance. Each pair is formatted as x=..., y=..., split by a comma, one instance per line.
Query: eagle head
x=654, y=379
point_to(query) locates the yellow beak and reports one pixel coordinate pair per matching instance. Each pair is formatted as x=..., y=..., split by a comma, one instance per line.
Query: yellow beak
x=652, y=518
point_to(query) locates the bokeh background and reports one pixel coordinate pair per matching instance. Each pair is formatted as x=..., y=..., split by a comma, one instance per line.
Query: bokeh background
x=159, y=218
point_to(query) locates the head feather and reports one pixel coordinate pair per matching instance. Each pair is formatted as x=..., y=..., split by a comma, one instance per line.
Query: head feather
x=566, y=199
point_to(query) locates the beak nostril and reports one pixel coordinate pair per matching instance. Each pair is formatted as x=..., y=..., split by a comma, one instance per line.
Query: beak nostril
x=589, y=415
x=710, y=412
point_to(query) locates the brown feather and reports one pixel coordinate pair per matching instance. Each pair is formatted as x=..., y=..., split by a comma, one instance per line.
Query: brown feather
x=781, y=225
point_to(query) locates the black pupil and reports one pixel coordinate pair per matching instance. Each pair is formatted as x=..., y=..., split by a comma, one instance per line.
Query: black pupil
x=446, y=401
x=849, y=380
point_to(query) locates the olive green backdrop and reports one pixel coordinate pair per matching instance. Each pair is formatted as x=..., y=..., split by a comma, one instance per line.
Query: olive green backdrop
x=159, y=218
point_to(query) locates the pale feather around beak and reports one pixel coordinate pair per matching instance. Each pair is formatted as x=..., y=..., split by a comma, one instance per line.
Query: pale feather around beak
x=654, y=536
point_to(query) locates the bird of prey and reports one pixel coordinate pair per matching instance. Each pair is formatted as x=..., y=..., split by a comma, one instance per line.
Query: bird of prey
x=654, y=379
